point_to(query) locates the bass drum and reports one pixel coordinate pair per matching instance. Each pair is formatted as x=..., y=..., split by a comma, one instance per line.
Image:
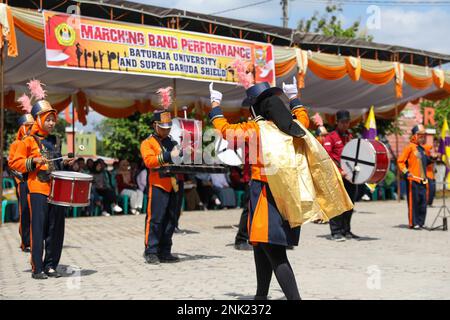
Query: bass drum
x=365, y=161
x=188, y=133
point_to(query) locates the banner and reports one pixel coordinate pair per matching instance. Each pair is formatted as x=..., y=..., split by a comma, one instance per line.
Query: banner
x=82, y=43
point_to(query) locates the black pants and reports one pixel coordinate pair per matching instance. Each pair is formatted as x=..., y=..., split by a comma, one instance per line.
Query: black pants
x=47, y=231
x=24, y=213
x=341, y=223
x=417, y=203
x=272, y=258
x=160, y=221
x=242, y=234
x=109, y=198
x=431, y=191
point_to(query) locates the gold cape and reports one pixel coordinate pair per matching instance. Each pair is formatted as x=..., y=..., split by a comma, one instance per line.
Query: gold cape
x=304, y=181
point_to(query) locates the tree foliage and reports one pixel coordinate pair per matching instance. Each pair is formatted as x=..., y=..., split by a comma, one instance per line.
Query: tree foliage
x=442, y=110
x=122, y=137
x=330, y=24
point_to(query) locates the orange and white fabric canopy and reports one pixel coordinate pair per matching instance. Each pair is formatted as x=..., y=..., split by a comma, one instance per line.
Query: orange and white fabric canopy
x=327, y=82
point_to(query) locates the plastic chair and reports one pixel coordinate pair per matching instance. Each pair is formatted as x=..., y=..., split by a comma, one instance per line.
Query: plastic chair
x=144, y=204
x=125, y=200
x=239, y=196
x=8, y=183
x=6, y=203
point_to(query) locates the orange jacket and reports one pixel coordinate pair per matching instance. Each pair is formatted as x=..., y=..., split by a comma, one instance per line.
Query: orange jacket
x=154, y=157
x=430, y=167
x=251, y=128
x=22, y=161
x=21, y=134
x=410, y=161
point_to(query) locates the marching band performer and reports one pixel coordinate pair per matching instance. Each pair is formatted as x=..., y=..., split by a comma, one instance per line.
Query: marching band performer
x=334, y=144
x=32, y=158
x=157, y=150
x=413, y=163
x=430, y=150
x=25, y=123
x=271, y=225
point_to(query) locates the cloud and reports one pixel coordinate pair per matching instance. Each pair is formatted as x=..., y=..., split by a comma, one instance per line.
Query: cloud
x=426, y=29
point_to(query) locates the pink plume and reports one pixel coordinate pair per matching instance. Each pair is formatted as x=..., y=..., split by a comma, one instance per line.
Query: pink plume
x=36, y=89
x=245, y=79
x=165, y=98
x=25, y=103
x=318, y=120
x=418, y=114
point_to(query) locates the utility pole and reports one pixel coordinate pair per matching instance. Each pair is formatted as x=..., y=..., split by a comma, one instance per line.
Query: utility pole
x=284, y=7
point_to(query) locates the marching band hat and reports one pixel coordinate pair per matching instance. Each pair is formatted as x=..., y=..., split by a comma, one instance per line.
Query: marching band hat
x=41, y=107
x=342, y=115
x=418, y=129
x=26, y=119
x=162, y=118
x=258, y=92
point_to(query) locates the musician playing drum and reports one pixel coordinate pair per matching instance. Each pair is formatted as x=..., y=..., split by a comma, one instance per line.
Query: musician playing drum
x=47, y=220
x=157, y=150
x=334, y=143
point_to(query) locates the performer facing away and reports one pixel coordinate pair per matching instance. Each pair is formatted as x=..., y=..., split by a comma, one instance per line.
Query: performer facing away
x=334, y=144
x=25, y=123
x=32, y=157
x=413, y=163
x=275, y=214
x=157, y=150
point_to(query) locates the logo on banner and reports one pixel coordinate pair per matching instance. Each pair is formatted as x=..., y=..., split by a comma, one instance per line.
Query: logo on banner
x=65, y=34
x=261, y=57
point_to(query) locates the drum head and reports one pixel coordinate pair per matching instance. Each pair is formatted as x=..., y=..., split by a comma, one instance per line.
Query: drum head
x=71, y=175
x=358, y=160
x=176, y=132
x=225, y=155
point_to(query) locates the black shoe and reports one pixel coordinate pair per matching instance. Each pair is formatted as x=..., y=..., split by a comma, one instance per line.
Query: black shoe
x=350, y=236
x=151, y=258
x=39, y=276
x=289, y=247
x=26, y=250
x=177, y=230
x=168, y=258
x=243, y=246
x=261, y=298
x=52, y=273
x=337, y=237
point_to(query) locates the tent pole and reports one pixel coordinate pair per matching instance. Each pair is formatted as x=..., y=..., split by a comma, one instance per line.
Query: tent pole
x=175, y=106
x=73, y=129
x=397, y=154
x=2, y=119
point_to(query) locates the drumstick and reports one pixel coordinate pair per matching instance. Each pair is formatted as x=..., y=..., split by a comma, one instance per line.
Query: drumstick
x=70, y=155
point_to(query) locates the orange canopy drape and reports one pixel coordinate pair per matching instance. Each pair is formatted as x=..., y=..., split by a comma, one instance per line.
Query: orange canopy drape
x=326, y=72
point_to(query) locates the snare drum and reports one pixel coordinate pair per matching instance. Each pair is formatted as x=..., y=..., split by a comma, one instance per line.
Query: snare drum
x=365, y=161
x=70, y=189
x=188, y=132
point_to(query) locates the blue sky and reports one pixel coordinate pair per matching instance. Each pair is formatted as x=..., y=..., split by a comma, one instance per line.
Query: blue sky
x=410, y=24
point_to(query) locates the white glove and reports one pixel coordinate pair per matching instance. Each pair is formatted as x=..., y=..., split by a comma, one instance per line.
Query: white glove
x=216, y=96
x=291, y=89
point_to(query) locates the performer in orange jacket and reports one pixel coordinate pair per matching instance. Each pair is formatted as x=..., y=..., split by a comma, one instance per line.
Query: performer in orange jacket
x=431, y=186
x=25, y=123
x=268, y=231
x=47, y=220
x=157, y=150
x=413, y=163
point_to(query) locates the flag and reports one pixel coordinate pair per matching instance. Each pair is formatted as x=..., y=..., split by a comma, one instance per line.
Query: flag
x=370, y=128
x=444, y=145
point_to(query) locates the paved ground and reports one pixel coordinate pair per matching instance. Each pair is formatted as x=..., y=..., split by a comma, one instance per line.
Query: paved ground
x=102, y=259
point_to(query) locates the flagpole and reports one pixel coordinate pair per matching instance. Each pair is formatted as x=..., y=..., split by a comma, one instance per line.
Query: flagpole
x=397, y=154
x=2, y=116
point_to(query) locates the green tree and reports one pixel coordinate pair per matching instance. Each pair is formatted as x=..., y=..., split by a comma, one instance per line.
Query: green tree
x=442, y=111
x=122, y=137
x=329, y=24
